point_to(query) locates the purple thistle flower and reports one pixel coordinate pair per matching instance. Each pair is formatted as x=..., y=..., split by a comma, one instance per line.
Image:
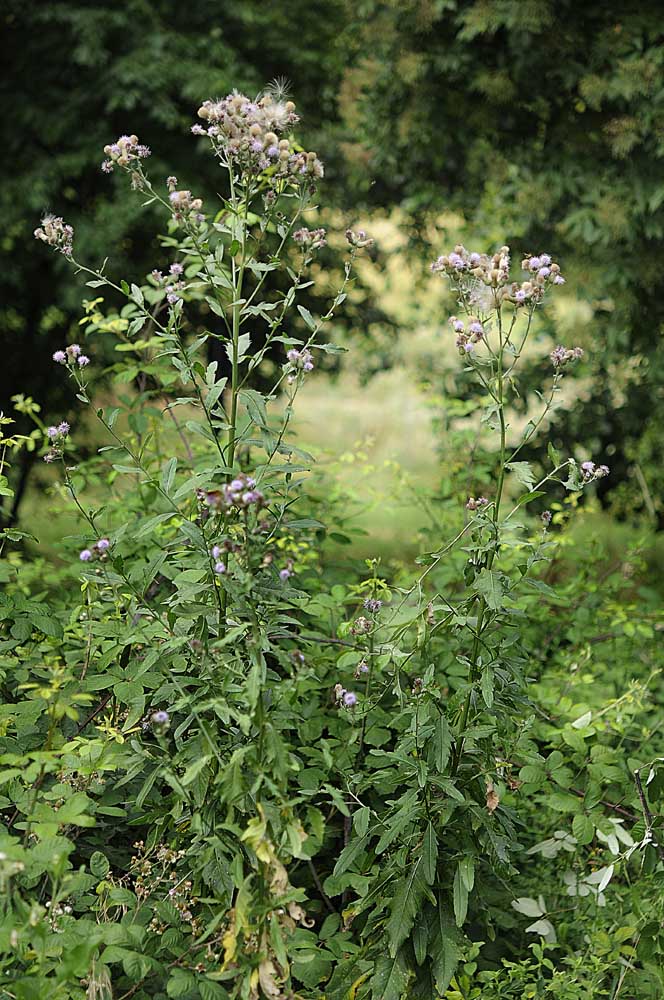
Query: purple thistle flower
x=559, y=280
x=373, y=604
x=349, y=699
x=284, y=574
x=103, y=544
x=73, y=350
x=63, y=428
x=52, y=432
x=60, y=357
x=83, y=360
x=216, y=552
x=161, y=717
x=85, y=555
x=220, y=568
x=176, y=268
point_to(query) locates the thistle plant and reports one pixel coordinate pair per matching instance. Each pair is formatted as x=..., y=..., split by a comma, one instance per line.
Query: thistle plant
x=229, y=777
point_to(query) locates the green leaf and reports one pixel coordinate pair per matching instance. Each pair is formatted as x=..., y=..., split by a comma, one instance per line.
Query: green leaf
x=583, y=828
x=486, y=686
x=99, y=865
x=523, y=473
x=430, y=854
x=444, y=951
x=137, y=295
x=390, y=978
x=211, y=991
x=467, y=871
x=442, y=744
x=405, y=906
x=350, y=853
x=460, y=898
x=307, y=317
x=255, y=404
x=168, y=474
x=361, y=820
x=488, y=584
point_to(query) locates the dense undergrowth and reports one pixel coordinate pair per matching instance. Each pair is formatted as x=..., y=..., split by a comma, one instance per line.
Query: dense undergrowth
x=238, y=763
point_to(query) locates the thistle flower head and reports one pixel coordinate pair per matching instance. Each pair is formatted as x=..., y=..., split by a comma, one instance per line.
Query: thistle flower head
x=123, y=152
x=56, y=233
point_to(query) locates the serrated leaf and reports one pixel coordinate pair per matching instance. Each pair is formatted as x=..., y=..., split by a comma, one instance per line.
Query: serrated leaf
x=488, y=584
x=405, y=905
x=349, y=853
x=168, y=474
x=442, y=744
x=444, y=952
x=255, y=404
x=390, y=978
x=460, y=897
x=361, y=820
x=430, y=854
x=523, y=473
x=486, y=686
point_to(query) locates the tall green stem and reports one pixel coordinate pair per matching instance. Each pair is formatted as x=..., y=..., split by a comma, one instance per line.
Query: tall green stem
x=495, y=515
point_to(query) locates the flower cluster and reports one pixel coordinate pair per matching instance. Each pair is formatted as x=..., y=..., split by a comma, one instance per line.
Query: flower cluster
x=361, y=668
x=302, y=361
x=123, y=151
x=361, y=626
x=474, y=271
x=56, y=233
x=344, y=698
x=372, y=604
x=248, y=132
x=71, y=356
x=476, y=503
x=561, y=356
x=219, y=565
x=359, y=238
x=98, y=551
x=56, y=436
x=310, y=239
x=467, y=336
x=590, y=471
x=185, y=206
x=241, y=492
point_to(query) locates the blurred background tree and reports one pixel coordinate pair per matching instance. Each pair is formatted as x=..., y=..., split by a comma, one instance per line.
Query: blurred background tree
x=541, y=123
